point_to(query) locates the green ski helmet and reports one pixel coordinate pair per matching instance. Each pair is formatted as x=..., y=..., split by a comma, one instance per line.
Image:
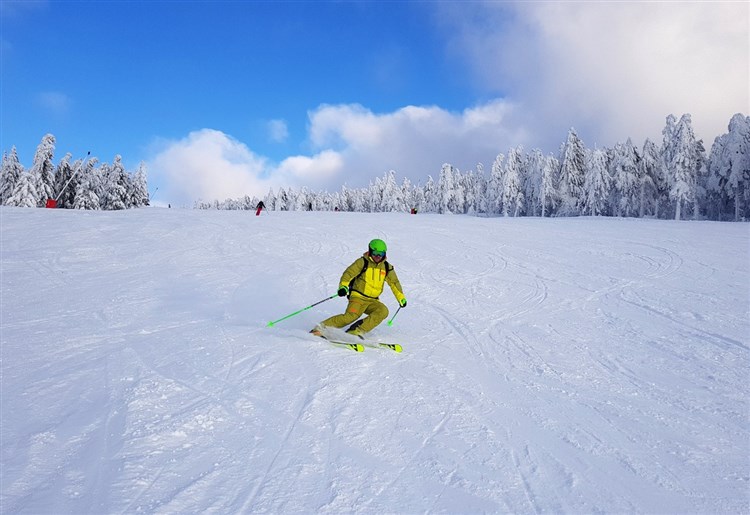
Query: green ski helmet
x=377, y=248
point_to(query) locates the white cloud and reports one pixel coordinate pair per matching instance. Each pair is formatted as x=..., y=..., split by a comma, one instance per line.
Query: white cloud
x=414, y=141
x=611, y=69
x=207, y=165
x=309, y=171
x=278, y=131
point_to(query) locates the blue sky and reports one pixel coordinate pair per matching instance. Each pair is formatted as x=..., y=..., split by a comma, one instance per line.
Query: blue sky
x=227, y=98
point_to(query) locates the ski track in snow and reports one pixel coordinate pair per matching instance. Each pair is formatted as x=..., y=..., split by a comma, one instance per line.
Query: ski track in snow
x=569, y=365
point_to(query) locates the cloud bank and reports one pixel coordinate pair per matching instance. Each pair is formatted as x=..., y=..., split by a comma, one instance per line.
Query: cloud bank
x=611, y=69
x=351, y=145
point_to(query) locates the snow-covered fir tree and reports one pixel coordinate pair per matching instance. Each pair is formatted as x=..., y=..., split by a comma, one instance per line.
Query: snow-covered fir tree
x=513, y=178
x=302, y=200
x=270, y=200
x=532, y=186
x=625, y=172
x=431, y=196
x=449, y=190
x=572, y=174
x=282, y=201
x=653, y=184
x=597, y=183
x=24, y=192
x=138, y=194
x=417, y=199
x=549, y=197
x=495, y=186
x=479, y=191
x=86, y=196
x=64, y=189
x=10, y=174
x=43, y=170
x=729, y=168
x=393, y=195
x=115, y=191
x=406, y=193
x=682, y=166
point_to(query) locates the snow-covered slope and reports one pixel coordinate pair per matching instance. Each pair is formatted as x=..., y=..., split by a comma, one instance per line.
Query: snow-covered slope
x=550, y=365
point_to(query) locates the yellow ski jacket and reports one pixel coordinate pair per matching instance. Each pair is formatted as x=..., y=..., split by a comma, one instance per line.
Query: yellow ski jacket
x=369, y=284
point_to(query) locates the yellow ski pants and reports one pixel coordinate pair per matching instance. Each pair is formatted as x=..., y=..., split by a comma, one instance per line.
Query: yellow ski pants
x=375, y=310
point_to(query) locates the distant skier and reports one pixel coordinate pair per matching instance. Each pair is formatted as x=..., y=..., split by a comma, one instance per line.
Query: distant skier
x=362, y=282
x=259, y=207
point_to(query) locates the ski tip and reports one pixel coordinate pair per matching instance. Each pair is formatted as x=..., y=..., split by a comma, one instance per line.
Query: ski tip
x=270, y=324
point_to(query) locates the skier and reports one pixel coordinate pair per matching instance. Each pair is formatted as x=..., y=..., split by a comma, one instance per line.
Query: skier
x=362, y=283
x=260, y=206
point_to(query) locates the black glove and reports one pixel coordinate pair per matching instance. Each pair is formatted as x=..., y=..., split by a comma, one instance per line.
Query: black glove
x=403, y=303
x=343, y=291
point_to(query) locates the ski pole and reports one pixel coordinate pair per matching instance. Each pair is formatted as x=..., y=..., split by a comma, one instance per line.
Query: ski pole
x=271, y=324
x=390, y=322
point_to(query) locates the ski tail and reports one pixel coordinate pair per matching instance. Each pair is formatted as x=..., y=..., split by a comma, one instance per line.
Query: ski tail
x=356, y=347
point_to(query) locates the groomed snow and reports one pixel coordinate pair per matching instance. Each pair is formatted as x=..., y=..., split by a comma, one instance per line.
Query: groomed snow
x=576, y=365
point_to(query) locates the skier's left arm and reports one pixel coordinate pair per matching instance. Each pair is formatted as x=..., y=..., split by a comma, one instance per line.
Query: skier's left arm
x=392, y=279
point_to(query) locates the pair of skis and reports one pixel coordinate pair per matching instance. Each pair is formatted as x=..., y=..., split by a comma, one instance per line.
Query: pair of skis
x=360, y=347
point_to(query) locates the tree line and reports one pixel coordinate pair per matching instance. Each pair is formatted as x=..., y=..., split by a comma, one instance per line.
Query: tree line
x=675, y=179
x=82, y=184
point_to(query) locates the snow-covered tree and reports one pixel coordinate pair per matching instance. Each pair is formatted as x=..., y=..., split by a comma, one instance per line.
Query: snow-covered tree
x=495, y=186
x=301, y=201
x=139, y=191
x=375, y=197
x=430, y=196
x=681, y=154
x=532, y=186
x=653, y=185
x=393, y=200
x=729, y=165
x=450, y=193
x=87, y=196
x=480, y=203
x=572, y=174
x=270, y=200
x=10, y=174
x=116, y=187
x=282, y=200
x=549, y=197
x=406, y=194
x=625, y=172
x=417, y=199
x=597, y=183
x=64, y=189
x=513, y=198
x=357, y=202
x=24, y=192
x=43, y=171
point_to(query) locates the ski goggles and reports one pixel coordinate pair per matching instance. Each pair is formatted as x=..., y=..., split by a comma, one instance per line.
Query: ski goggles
x=377, y=253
